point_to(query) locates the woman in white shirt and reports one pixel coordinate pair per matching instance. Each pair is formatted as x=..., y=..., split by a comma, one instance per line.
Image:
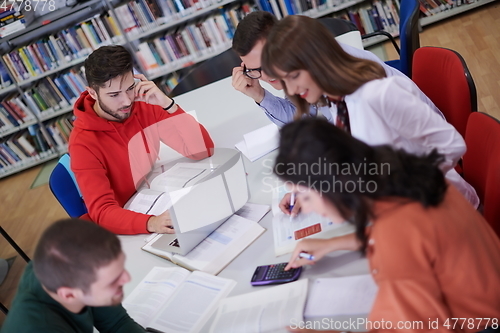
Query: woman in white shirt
x=315, y=70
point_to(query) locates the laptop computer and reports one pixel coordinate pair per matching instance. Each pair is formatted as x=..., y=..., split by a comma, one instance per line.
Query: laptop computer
x=201, y=208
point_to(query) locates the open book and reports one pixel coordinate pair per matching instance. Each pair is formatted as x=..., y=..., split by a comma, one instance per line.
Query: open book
x=172, y=299
x=223, y=245
x=288, y=231
x=217, y=250
x=267, y=310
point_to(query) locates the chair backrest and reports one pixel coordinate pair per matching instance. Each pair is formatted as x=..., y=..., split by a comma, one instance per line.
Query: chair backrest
x=338, y=26
x=481, y=163
x=344, y=31
x=63, y=185
x=212, y=70
x=443, y=76
x=408, y=33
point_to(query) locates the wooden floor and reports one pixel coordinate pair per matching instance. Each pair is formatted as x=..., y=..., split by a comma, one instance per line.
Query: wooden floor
x=26, y=212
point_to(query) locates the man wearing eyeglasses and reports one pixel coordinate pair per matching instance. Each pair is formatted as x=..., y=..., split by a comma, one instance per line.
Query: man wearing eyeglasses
x=248, y=42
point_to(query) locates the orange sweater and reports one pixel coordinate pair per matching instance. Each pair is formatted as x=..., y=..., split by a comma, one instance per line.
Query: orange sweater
x=432, y=265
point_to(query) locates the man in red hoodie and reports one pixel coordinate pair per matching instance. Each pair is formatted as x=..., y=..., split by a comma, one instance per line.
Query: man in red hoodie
x=120, y=120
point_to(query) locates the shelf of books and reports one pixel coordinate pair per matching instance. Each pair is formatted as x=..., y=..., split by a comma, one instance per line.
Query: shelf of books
x=35, y=145
x=435, y=13
x=14, y=115
x=193, y=43
x=57, y=52
x=139, y=20
x=23, y=142
x=40, y=81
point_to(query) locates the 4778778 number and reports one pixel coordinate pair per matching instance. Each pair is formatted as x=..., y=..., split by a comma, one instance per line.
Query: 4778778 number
x=28, y=5
x=471, y=323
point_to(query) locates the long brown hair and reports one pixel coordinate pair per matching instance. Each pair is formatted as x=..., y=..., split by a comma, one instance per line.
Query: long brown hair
x=351, y=174
x=300, y=42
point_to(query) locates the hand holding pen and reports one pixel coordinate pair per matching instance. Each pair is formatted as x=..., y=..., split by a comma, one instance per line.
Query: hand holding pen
x=288, y=207
x=292, y=204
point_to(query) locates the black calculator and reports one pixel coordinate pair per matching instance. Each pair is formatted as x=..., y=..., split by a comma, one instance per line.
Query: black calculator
x=274, y=274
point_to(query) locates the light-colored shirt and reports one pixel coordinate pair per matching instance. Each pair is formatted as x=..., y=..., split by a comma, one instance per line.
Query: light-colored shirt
x=432, y=265
x=281, y=110
x=388, y=112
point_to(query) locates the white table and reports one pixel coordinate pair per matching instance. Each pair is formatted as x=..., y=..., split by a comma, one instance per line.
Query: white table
x=228, y=114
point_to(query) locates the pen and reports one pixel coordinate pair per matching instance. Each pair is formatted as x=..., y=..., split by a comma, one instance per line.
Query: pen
x=292, y=202
x=306, y=256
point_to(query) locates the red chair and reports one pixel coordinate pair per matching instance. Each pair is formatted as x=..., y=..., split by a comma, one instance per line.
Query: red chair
x=444, y=77
x=481, y=164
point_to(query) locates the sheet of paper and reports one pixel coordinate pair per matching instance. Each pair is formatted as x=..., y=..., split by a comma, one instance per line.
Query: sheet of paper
x=149, y=202
x=153, y=292
x=349, y=295
x=288, y=231
x=193, y=303
x=267, y=310
x=253, y=212
x=181, y=175
x=259, y=142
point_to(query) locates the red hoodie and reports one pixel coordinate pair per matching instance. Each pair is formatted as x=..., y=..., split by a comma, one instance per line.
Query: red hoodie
x=108, y=174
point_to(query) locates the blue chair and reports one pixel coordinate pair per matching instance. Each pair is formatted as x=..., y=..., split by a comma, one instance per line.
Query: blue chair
x=408, y=36
x=63, y=185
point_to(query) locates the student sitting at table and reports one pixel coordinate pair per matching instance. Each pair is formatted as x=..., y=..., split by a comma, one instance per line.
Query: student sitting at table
x=432, y=255
x=364, y=102
x=75, y=282
x=249, y=40
x=120, y=121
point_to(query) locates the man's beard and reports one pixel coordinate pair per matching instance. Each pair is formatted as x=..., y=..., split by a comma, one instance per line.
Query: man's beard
x=116, y=114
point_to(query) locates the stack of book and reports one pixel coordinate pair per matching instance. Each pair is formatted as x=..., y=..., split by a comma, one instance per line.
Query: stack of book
x=12, y=19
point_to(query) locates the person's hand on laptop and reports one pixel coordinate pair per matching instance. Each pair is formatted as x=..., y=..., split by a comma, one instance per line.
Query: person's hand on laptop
x=161, y=224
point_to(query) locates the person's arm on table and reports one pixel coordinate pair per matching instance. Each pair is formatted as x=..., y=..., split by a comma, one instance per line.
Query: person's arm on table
x=318, y=248
x=101, y=202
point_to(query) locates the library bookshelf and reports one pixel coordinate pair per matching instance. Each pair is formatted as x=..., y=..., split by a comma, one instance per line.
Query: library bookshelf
x=41, y=66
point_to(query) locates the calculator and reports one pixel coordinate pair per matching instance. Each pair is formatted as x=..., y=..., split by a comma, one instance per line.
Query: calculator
x=274, y=274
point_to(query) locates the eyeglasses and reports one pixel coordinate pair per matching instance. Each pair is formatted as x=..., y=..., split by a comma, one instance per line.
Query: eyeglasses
x=253, y=73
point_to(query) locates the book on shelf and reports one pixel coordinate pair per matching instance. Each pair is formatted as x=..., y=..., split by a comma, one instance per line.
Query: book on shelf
x=159, y=300
x=5, y=79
